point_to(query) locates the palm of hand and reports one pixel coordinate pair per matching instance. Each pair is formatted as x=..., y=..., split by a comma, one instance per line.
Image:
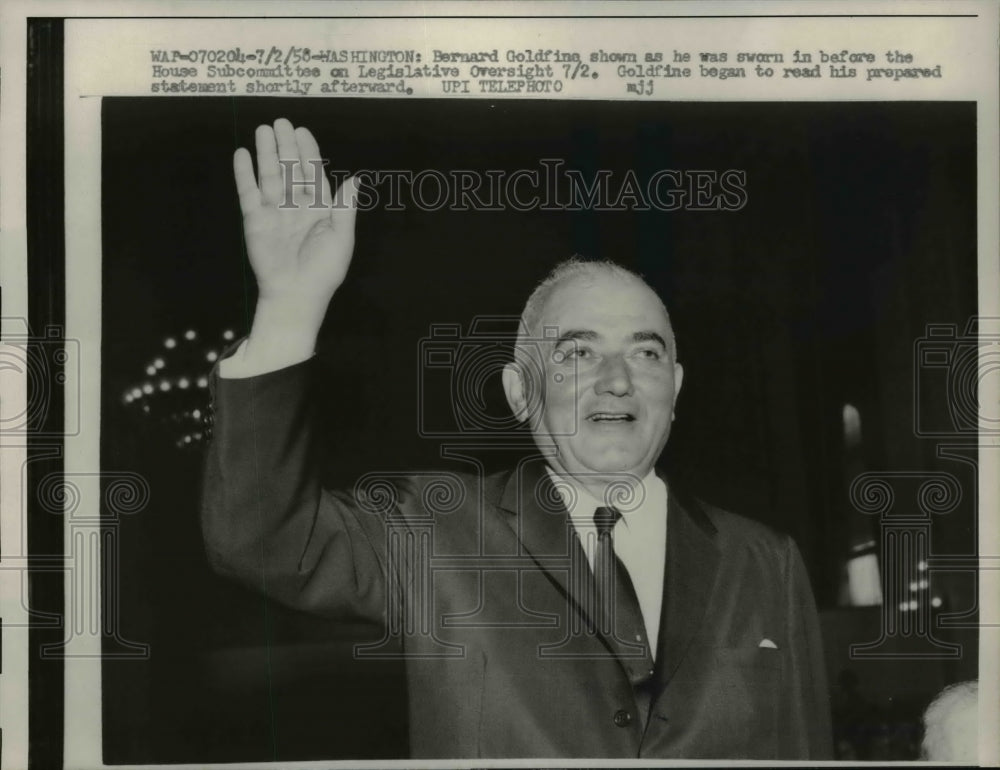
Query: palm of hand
x=295, y=251
x=299, y=243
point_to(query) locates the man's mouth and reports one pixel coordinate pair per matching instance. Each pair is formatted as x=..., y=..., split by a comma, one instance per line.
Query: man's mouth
x=611, y=417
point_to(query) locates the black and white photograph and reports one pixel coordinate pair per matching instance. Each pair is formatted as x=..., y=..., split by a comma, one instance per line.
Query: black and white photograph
x=520, y=426
x=365, y=552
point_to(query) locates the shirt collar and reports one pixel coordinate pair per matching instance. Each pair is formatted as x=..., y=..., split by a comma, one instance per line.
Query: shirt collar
x=581, y=504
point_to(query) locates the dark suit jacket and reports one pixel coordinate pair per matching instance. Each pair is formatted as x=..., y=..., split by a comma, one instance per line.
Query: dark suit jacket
x=480, y=580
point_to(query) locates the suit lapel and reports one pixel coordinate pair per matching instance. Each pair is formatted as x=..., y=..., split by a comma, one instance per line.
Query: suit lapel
x=543, y=526
x=690, y=573
x=540, y=521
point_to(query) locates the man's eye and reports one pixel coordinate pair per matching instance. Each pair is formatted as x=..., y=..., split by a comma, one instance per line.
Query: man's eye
x=576, y=352
x=651, y=354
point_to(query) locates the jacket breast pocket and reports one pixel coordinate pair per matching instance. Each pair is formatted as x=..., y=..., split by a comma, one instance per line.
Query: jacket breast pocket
x=749, y=658
x=747, y=699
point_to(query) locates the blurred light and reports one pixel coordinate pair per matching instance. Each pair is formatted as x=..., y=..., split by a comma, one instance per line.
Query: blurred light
x=196, y=414
x=190, y=334
x=145, y=408
x=187, y=439
x=159, y=363
x=913, y=604
x=183, y=382
x=211, y=355
x=165, y=385
x=203, y=382
x=913, y=586
x=150, y=370
x=147, y=388
x=136, y=393
x=228, y=334
x=128, y=398
x=197, y=436
x=852, y=426
x=863, y=582
x=923, y=583
x=936, y=601
x=904, y=606
x=169, y=342
x=922, y=565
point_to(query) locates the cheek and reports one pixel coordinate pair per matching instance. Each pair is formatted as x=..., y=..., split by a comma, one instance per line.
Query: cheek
x=561, y=399
x=659, y=394
x=561, y=386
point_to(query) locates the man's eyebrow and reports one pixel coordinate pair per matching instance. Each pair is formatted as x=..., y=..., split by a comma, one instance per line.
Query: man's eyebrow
x=649, y=336
x=577, y=334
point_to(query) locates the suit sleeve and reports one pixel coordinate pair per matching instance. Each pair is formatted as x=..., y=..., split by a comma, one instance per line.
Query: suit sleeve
x=267, y=521
x=809, y=723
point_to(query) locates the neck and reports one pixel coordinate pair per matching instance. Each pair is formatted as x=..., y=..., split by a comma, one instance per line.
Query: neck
x=606, y=489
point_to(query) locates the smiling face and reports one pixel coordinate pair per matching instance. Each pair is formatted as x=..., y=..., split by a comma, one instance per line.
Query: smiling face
x=610, y=378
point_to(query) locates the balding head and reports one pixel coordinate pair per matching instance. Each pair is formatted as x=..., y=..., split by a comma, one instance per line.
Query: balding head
x=951, y=725
x=571, y=270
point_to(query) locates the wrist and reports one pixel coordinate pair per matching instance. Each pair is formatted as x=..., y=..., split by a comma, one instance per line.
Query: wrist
x=287, y=324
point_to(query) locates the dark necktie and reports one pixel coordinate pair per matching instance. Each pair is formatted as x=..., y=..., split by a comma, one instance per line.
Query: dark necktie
x=605, y=567
x=618, y=614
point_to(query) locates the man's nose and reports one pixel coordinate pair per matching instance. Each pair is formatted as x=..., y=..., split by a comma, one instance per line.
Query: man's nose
x=613, y=377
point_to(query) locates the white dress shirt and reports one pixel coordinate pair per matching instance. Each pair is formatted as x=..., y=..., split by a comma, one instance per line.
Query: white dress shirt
x=640, y=538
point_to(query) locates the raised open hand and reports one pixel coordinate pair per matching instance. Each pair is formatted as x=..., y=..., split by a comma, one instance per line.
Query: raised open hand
x=299, y=238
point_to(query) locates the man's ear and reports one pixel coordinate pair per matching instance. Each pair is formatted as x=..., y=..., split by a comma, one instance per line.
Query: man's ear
x=514, y=388
x=678, y=381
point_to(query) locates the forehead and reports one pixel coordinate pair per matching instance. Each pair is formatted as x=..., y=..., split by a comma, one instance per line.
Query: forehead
x=604, y=303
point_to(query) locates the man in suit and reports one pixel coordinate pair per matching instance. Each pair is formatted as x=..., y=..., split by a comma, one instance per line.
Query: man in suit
x=578, y=605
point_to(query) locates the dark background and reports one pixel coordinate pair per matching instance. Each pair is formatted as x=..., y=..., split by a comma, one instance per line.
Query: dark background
x=859, y=230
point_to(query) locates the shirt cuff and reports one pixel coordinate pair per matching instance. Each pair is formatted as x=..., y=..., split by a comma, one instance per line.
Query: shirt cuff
x=235, y=365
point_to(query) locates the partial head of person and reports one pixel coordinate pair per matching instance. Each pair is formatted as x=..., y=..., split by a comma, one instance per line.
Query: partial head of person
x=596, y=373
x=951, y=725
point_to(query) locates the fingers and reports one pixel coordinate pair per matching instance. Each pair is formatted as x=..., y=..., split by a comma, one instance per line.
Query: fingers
x=267, y=166
x=288, y=148
x=282, y=149
x=246, y=183
x=312, y=162
x=288, y=155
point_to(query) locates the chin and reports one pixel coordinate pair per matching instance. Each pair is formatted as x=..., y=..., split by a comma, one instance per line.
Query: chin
x=631, y=465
